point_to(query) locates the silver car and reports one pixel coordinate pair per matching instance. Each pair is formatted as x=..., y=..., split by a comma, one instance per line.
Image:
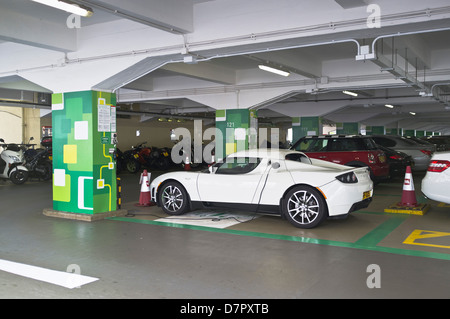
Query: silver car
x=420, y=153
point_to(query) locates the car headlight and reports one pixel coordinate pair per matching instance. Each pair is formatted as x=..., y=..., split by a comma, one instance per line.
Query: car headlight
x=348, y=178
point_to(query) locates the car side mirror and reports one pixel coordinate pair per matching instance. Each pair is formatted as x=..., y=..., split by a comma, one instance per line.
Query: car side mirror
x=275, y=165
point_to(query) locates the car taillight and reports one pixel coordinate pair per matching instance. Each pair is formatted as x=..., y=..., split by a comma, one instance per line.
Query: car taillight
x=438, y=166
x=396, y=157
x=348, y=178
x=371, y=158
x=426, y=152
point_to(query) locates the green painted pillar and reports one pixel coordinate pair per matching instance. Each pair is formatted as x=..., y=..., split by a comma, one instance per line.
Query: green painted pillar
x=375, y=130
x=409, y=133
x=304, y=126
x=238, y=128
x=84, y=173
x=394, y=131
x=420, y=133
x=348, y=128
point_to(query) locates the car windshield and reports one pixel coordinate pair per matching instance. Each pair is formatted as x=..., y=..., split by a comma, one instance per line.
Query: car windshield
x=238, y=165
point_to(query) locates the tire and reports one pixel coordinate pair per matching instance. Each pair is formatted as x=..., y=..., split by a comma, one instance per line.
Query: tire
x=304, y=207
x=47, y=167
x=19, y=177
x=132, y=166
x=162, y=164
x=173, y=198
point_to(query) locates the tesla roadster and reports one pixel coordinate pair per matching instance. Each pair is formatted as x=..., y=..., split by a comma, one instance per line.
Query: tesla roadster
x=303, y=190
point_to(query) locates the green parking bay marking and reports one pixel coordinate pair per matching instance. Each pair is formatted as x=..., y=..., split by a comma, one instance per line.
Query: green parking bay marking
x=367, y=242
x=379, y=233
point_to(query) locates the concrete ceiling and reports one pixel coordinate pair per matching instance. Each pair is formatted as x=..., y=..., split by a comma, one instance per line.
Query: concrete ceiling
x=181, y=57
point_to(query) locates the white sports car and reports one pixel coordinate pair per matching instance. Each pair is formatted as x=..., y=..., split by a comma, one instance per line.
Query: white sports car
x=301, y=189
x=436, y=183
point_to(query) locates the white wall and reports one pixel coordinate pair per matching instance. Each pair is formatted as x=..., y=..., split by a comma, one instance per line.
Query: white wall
x=11, y=124
x=153, y=132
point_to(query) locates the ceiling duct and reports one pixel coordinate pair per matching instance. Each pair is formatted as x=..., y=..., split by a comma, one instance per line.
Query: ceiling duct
x=22, y=98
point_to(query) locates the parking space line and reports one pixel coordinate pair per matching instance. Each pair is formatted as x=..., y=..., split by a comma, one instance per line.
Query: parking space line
x=398, y=251
x=375, y=236
x=423, y=234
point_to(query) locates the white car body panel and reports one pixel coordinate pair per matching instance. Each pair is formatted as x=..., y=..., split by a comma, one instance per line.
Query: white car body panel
x=435, y=185
x=273, y=182
x=211, y=186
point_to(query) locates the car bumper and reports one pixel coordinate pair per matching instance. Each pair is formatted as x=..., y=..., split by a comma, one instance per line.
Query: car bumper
x=435, y=186
x=421, y=163
x=380, y=172
x=345, y=198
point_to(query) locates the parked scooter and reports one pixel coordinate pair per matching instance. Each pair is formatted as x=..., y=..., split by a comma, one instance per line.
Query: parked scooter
x=38, y=162
x=11, y=163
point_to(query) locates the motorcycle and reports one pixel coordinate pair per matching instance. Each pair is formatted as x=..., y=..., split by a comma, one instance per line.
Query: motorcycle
x=151, y=157
x=38, y=162
x=159, y=158
x=132, y=160
x=11, y=163
x=46, y=141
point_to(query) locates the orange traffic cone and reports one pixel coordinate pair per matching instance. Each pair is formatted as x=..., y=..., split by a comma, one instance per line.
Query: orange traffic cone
x=187, y=164
x=408, y=195
x=409, y=204
x=144, y=197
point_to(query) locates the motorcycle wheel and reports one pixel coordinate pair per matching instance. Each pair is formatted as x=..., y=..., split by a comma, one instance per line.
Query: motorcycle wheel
x=162, y=164
x=19, y=177
x=47, y=167
x=132, y=166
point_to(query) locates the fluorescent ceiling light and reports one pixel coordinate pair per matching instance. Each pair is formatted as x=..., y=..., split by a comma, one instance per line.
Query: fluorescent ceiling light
x=412, y=113
x=273, y=70
x=350, y=93
x=68, y=7
x=389, y=106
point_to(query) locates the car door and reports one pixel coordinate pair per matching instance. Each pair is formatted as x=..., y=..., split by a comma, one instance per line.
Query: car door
x=235, y=181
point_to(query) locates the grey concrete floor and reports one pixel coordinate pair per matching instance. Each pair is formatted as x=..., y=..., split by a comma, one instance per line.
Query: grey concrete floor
x=135, y=260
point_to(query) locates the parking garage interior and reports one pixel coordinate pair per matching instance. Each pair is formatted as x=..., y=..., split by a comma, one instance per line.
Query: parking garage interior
x=348, y=68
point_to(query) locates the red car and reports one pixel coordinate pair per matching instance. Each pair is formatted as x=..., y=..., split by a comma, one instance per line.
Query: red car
x=350, y=150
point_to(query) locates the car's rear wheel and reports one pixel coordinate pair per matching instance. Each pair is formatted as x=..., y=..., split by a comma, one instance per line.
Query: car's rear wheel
x=173, y=198
x=304, y=207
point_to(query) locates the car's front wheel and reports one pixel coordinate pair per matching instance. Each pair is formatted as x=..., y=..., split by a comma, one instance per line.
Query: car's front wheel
x=173, y=198
x=304, y=207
